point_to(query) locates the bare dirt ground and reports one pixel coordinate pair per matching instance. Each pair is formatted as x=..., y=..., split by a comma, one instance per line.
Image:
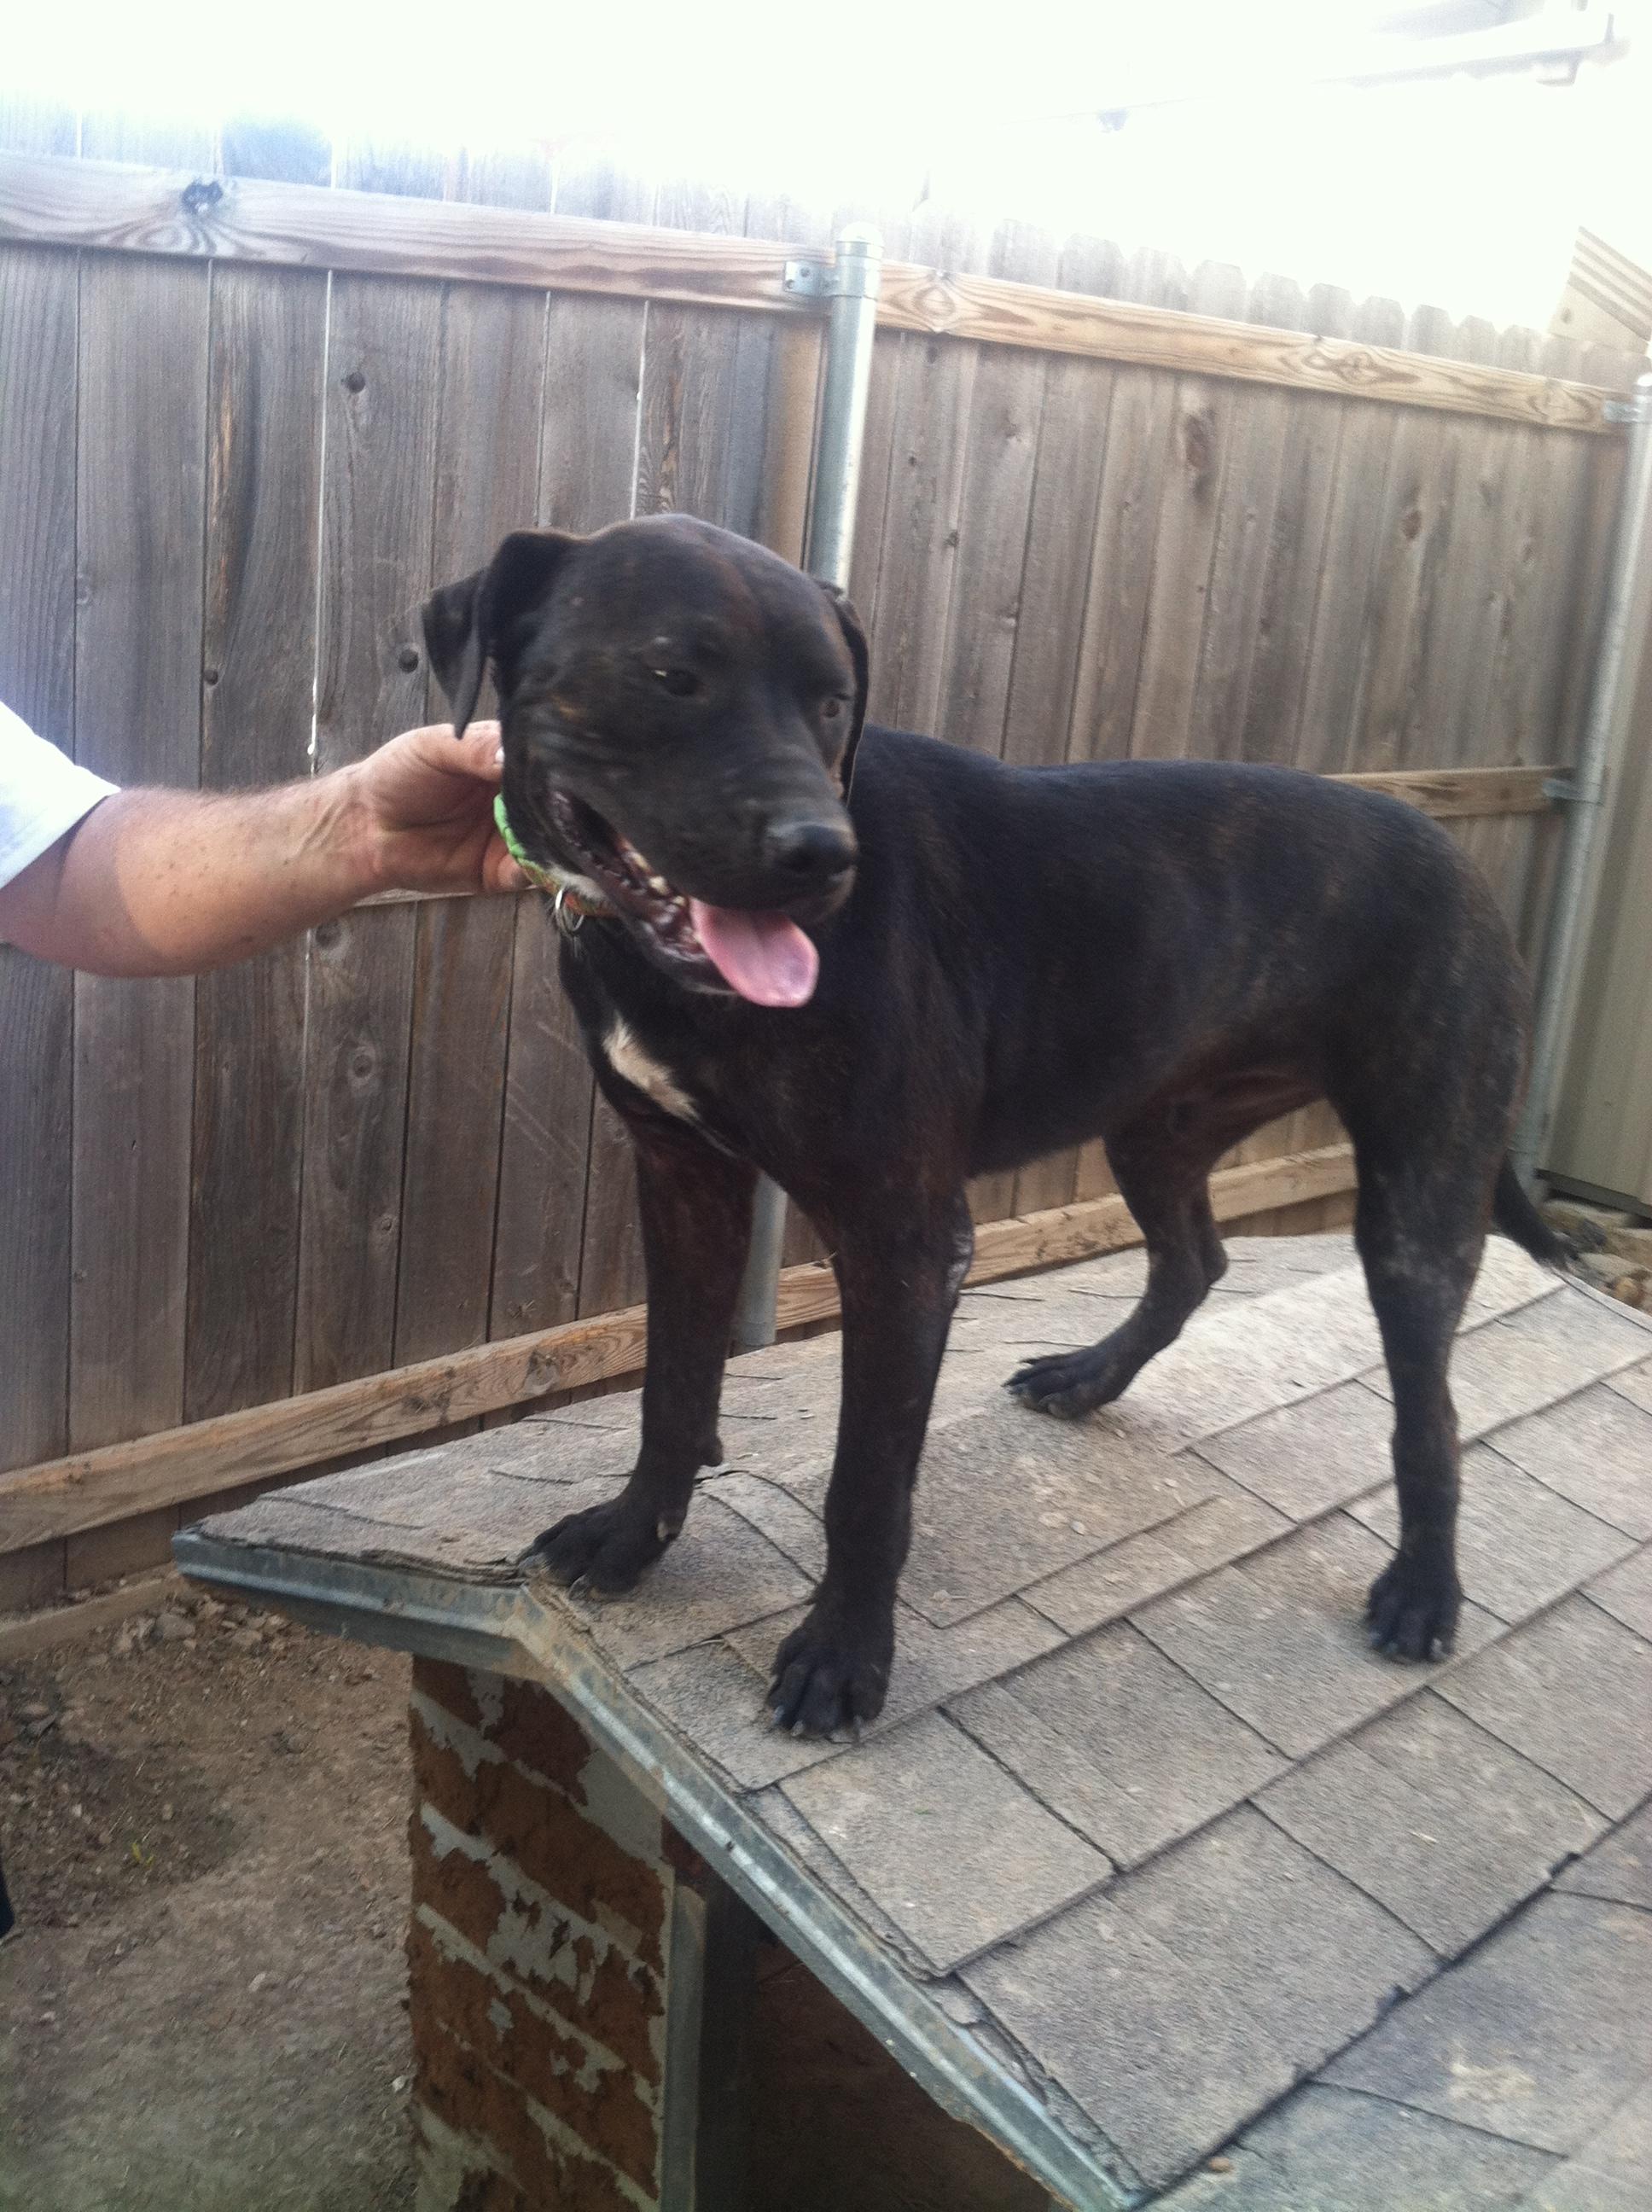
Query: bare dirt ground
x=203, y=1817
x=204, y=1837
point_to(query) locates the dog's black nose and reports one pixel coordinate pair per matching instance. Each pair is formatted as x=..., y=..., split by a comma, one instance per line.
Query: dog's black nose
x=813, y=852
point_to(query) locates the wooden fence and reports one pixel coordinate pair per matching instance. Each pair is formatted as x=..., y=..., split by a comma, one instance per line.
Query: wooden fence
x=248, y=415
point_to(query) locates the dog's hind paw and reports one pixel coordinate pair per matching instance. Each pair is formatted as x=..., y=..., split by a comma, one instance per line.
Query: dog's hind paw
x=1411, y=1612
x=605, y=1548
x=829, y=1676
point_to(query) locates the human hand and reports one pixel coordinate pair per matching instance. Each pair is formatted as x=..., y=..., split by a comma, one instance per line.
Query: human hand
x=422, y=810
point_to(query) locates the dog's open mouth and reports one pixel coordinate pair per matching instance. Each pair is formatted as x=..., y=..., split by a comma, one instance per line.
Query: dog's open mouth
x=763, y=955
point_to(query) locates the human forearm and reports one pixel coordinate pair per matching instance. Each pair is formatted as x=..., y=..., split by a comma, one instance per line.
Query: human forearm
x=166, y=883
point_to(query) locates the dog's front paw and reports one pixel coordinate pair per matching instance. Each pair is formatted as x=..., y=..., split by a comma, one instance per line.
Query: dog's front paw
x=831, y=1674
x=605, y=1548
x=1412, y=1611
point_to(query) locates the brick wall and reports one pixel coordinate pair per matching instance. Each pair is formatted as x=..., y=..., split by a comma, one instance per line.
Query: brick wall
x=536, y=1946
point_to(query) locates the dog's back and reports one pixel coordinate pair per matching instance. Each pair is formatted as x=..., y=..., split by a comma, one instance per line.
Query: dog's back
x=1128, y=926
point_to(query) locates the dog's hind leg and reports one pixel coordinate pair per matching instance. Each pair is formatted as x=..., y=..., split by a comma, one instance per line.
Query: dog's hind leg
x=1165, y=1180
x=1420, y=1231
x=696, y=1205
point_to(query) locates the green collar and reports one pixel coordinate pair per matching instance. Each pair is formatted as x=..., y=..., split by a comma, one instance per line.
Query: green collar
x=570, y=897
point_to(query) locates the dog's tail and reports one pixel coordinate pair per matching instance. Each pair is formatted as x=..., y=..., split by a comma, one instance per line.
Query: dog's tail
x=1518, y=1218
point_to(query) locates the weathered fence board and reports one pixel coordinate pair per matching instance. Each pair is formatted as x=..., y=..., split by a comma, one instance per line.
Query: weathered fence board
x=1073, y=437
x=138, y=720
x=488, y=408
x=264, y=480
x=384, y=375
x=593, y=372
x=38, y=344
x=491, y=407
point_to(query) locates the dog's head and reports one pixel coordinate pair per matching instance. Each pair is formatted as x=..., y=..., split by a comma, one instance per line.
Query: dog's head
x=680, y=711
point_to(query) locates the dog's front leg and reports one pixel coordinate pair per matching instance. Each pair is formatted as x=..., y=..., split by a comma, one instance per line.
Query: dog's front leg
x=899, y=1285
x=695, y=1205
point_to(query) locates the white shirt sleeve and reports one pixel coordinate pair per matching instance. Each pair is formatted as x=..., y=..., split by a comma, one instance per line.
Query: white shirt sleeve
x=42, y=794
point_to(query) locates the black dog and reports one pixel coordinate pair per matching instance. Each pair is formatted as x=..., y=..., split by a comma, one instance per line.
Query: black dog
x=1163, y=954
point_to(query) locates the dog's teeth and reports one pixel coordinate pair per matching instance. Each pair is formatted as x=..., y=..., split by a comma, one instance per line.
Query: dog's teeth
x=659, y=884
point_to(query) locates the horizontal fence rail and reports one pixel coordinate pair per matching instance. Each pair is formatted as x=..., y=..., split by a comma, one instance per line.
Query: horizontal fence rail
x=46, y=201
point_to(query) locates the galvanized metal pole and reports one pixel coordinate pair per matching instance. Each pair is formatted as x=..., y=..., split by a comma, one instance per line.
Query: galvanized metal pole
x=1625, y=628
x=852, y=285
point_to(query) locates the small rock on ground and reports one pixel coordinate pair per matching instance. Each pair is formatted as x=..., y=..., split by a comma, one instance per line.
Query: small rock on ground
x=1616, y=1247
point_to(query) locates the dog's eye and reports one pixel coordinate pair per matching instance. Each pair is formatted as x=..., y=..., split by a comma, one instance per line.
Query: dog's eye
x=681, y=683
x=831, y=708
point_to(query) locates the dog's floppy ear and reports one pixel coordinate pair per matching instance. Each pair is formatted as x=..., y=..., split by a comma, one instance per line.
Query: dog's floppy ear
x=454, y=640
x=464, y=622
x=855, y=637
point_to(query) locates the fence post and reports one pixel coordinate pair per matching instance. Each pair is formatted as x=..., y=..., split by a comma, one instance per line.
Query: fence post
x=852, y=285
x=1624, y=628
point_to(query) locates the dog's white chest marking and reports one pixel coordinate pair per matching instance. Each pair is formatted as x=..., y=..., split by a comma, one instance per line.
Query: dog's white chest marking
x=631, y=1061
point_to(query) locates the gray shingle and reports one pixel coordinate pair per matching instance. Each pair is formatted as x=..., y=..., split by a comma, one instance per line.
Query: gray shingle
x=1576, y=2187
x=1570, y=1690
x=1619, y=1867
x=1543, y=1352
x=1112, y=1274
x=1636, y=1384
x=1595, y=1448
x=780, y=1513
x=1310, y=1958
x=473, y=1526
x=715, y=1697
x=782, y=1820
x=1508, y=1279
x=1257, y=1265
x=1006, y=1497
x=1280, y=1640
x=1317, y=1253
x=1540, y=2036
x=1625, y=1592
x=1020, y=1327
x=1234, y=1361
x=1166, y=2062
x=1624, y=2144
x=1327, y=2150
x=1520, y=1545
x=1442, y=1823
x=421, y=1488
x=607, y=1414
x=1305, y=1459
x=1114, y=1582
x=1119, y=1741
x=805, y=1358
x=957, y=1853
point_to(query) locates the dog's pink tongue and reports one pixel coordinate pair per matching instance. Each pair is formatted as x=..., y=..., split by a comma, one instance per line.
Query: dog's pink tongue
x=763, y=957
